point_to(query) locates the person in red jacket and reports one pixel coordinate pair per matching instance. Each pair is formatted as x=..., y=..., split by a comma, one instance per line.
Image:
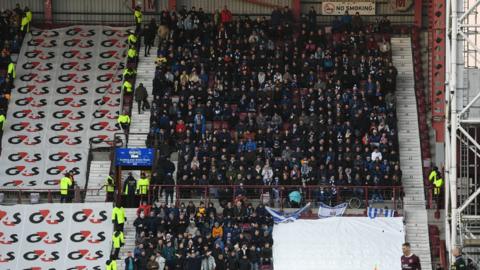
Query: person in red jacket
x=226, y=15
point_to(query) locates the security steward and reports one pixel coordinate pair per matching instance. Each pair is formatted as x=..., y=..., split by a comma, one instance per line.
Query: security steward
x=111, y=264
x=132, y=39
x=127, y=87
x=65, y=184
x=459, y=263
x=129, y=73
x=110, y=187
x=11, y=71
x=118, y=217
x=3, y=119
x=132, y=55
x=124, y=121
x=142, y=187
x=117, y=241
x=138, y=18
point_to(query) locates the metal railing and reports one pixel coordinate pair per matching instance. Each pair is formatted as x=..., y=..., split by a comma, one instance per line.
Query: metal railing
x=356, y=196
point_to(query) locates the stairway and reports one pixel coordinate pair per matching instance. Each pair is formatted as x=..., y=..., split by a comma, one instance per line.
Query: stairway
x=141, y=122
x=99, y=171
x=410, y=152
x=129, y=235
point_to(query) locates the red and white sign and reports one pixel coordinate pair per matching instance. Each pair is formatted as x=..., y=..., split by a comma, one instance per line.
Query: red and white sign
x=55, y=236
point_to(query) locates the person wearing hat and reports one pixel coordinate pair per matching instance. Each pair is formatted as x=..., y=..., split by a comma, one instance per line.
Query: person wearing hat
x=65, y=184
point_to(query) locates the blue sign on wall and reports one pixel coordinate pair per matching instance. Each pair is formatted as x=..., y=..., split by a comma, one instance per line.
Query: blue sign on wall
x=134, y=157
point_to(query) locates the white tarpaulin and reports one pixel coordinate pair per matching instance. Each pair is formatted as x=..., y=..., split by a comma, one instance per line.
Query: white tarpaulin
x=55, y=236
x=340, y=243
x=67, y=94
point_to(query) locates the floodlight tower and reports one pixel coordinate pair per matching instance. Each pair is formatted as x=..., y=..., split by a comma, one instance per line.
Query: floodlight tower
x=462, y=126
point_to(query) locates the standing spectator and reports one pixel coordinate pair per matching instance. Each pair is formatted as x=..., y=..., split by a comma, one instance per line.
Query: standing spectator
x=129, y=187
x=141, y=97
x=149, y=36
x=152, y=263
x=409, y=260
x=208, y=262
x=129, y=261
x=226, y=16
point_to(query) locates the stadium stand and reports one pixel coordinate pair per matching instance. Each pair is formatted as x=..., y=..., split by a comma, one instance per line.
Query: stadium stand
x=273, y=107
x=249, y=112
x=269, y=107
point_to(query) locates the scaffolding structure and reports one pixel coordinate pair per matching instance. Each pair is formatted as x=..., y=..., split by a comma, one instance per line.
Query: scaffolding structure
x=462, y=134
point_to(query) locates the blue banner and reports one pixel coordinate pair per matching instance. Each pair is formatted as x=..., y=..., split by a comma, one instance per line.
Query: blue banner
x=134, y=157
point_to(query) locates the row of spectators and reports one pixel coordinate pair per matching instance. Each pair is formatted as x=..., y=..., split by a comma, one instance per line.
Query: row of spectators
x=11, y=37
x=248, y=101
x=198, y=237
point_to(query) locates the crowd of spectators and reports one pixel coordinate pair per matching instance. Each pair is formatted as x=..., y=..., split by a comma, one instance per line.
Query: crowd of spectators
x=11, y=38
x=200, y=237
x=263, y=102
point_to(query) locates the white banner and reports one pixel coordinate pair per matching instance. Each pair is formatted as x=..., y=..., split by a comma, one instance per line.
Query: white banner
x=339, y=8
x=55, y=236
x=331, y=211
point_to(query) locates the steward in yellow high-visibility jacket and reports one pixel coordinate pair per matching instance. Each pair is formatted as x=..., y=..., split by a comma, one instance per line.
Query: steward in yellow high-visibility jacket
x=131, y=55
x=142, y=185
x=111, y=265
x=110, y=188
x=124, y=121
x=11, y=71
x=132, y=40
x=128, y=73
x=117, y=242
x=437, y=186
x=138, y=15
x=118, y=217
x=127, y=87
x=65, y=184
x=2, y=121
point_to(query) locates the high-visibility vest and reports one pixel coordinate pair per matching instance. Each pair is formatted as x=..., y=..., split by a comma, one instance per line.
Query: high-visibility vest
x=112, y=265
x=118, y=214
x=132, y=39
x=142, y=186
x=432, y=176
x=138, y=16
x=128, y=72
x=118, y=241
x=2, y=120
x=11, y=70
x=65, y=183
x=29, y=15
x=123, y=119
x=438, y=183
x=127, y=87
x=132, y=53
x=24, y=23
x=110, y=184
